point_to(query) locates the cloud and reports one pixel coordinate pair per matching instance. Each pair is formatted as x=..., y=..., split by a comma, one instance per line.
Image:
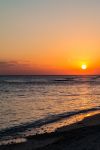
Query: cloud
x=8, y=63
x=20, y=68
x=14, y=67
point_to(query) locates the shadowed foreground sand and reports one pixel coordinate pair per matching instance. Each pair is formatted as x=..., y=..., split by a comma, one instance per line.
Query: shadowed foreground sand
x=84, y=135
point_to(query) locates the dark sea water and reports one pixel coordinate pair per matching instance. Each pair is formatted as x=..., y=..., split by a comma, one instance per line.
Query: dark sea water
x=35, y=104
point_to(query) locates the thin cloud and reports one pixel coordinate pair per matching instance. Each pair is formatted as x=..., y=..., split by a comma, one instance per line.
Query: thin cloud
x=14, y=67
x=8, y=63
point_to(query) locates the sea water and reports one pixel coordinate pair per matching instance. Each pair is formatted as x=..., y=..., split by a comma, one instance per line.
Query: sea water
x=28, y=102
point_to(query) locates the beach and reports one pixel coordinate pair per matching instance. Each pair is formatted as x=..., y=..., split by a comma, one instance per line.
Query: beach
x=49, y=112
x=50, y=75
x=83, y=135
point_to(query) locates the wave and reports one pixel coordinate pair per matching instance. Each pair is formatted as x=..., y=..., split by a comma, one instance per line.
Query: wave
x=49, y=82
x=17, y=130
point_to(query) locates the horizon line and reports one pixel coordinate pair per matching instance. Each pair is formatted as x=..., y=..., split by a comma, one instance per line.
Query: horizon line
x=49, y=74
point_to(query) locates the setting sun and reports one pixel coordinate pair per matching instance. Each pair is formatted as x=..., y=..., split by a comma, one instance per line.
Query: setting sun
x=84, y=66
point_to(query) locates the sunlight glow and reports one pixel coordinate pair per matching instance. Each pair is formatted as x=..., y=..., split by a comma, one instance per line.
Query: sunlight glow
x=84, y=66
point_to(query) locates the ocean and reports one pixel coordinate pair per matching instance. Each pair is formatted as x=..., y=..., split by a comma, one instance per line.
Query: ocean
x=32, y=105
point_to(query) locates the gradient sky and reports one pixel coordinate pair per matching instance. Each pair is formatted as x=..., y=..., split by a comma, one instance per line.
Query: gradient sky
x=49, y=36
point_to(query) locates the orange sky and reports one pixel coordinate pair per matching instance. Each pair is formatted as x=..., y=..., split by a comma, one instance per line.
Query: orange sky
x=49, y=37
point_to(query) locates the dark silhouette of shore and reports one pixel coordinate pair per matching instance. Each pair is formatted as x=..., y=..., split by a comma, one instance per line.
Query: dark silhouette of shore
x=83, y=135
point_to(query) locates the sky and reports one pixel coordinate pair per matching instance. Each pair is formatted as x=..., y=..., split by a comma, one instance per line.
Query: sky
x=49, y=36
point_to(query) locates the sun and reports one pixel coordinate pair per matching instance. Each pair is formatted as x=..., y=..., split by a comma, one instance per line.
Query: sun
x=84, y=66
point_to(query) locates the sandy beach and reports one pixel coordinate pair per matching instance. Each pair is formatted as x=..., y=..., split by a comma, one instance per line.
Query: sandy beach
x=50, y=75
x=83, y=135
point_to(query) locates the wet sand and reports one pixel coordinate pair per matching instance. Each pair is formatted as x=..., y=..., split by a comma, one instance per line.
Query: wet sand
x=83, y=135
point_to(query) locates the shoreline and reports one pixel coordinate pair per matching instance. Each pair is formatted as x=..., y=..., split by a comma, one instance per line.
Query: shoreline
x=84, y=134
